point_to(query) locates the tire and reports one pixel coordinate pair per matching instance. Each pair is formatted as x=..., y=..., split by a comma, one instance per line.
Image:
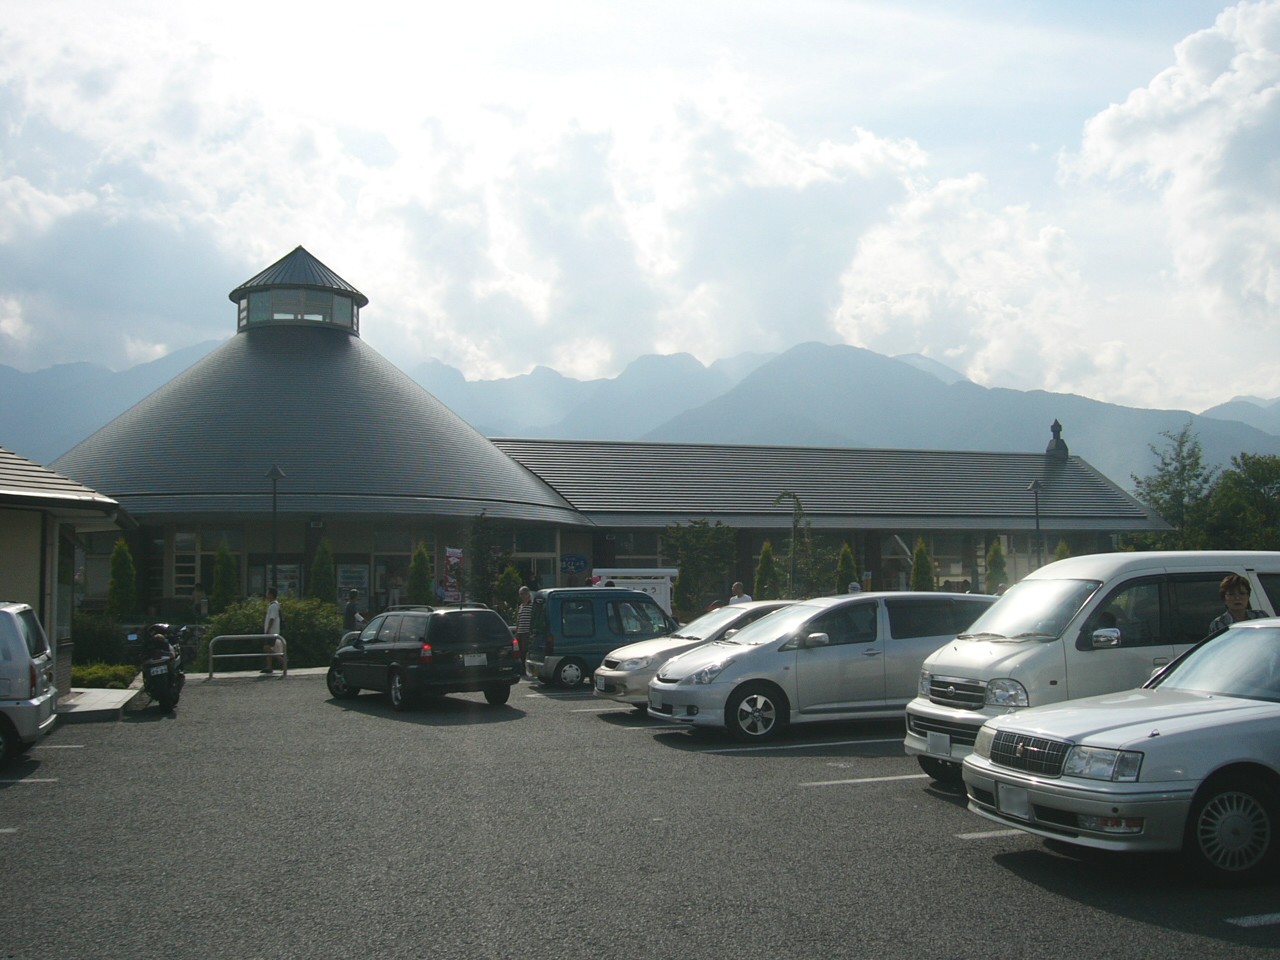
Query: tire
x=396, y=692
x=570, y=672
x=9, y=745
x=339, y=689
x=755, y=712
x=497, y=696
x=942, y=771
x=1233, y=830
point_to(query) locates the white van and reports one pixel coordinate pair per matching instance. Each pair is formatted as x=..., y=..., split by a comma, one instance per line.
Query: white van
x=1074, y=628
x=28, y=698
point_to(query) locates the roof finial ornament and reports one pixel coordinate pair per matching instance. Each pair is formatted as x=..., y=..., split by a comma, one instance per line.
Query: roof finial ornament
x=1057, y=448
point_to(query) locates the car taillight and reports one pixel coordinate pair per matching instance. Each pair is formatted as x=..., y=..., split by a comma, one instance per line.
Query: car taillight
x=424, y=655
x=515, y=648
x=35, y=682
x=551, y=645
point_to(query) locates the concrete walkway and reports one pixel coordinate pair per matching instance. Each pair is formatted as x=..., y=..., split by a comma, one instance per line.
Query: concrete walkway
x=93, y=705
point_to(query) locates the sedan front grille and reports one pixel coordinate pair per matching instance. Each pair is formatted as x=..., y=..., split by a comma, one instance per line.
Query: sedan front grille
x=956, y=692
x=1019, y=751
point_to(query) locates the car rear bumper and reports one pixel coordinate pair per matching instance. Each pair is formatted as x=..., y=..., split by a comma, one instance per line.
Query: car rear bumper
x=32, y=719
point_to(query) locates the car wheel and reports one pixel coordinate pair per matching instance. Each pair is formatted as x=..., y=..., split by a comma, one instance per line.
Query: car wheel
x=396, y=691
x=570, y=673
x=755, y=712
x=497, y=696
x=1231, y=830
x=336, y=681
x=941, y=771
x=8, y=742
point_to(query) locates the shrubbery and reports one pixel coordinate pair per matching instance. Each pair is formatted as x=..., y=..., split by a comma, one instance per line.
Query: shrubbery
x=98, y=639
x=312, y=629
x=111, y=676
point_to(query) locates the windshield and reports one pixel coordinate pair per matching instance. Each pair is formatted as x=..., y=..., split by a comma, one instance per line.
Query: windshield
x=776, y=626
x=1239, y=663
x=709, y=623
x=1032, y=610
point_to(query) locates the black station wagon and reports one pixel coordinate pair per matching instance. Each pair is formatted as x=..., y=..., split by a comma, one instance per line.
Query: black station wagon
x=413, y=654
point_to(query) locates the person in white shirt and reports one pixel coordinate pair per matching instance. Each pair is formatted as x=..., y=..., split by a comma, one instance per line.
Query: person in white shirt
x=271, y=626
x=740, y=595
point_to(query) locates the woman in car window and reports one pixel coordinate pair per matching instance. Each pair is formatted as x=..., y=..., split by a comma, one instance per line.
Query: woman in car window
x=1235, y=593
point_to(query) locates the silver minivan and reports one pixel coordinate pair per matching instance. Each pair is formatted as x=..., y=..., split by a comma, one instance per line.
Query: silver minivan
x=28, y=698
x=833, y=658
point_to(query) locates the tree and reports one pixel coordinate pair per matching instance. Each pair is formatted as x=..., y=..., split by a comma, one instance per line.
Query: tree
x=921, y=567
x=1243, y=509
x=704, y=553
x=488, y=553
x=1178, y=491
x=226, y=580
x=766, y=586
x=997, y=572
x=324, y=576
x=1063, y=550
x=507, y=593
x=846, y=568
x=122, y=591
x=421, y=576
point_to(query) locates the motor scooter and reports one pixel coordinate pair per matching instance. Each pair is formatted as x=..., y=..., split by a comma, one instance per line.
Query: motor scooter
x=162, y=676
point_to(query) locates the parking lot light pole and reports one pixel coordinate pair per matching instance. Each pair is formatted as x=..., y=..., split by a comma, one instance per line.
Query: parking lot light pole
x=275, y=475
x=1035, y=486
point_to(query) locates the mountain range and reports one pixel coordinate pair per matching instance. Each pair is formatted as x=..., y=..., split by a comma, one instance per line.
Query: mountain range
x=811, y=395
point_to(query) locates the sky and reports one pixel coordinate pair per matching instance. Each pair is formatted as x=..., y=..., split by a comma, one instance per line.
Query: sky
x=1079, y=197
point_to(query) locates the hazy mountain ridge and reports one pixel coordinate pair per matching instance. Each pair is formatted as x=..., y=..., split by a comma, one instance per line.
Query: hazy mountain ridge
x=811, y=395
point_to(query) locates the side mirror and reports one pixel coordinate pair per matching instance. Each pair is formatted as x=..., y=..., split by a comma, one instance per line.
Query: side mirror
x=1106, y=637
x=817, y=640
x=730, y=632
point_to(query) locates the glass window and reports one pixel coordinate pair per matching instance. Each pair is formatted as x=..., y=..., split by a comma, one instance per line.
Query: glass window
x=260, y=306
x=1134, y=609
x=577, y=618
x=632, y=618
x=1194, y=604
x=852, y=624
x=342, y=311
x=316, y=305
x=920, y=617
x=390, y=628
x=1271, y=586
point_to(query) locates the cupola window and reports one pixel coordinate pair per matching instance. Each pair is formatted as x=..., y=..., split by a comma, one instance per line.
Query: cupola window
x=298, y=305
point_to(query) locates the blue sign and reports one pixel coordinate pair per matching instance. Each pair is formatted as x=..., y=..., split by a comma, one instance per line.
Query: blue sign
x=573, y=563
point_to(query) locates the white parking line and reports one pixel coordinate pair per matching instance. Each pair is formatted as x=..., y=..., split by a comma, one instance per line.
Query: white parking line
x=33, y=780
x=803, y=746
x=838, y=783
x=1258, y=920
x=58, y=746
x=596, y=709
x=989, y=834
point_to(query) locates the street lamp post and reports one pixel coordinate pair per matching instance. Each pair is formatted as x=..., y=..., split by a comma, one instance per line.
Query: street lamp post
x=1035, y=486
x=795, y=522
x=275, y=475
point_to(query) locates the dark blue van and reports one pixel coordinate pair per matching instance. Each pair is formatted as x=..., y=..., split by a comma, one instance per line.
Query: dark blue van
x=574, y=627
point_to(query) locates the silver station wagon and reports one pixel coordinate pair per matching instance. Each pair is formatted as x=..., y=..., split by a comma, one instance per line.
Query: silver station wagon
x=833, y=658
x=1190, y=762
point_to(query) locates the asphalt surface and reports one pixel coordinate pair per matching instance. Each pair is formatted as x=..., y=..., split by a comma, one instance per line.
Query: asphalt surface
x=264, y=819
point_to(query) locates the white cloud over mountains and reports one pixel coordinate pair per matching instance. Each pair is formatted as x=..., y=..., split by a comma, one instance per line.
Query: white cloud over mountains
x=576, y=184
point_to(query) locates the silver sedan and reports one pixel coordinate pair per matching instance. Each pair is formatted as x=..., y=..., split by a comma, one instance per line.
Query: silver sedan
x=625, y=674
x=1189, y=762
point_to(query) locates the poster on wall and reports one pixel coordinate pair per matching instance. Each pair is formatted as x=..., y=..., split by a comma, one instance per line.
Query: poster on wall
x=353, y=576
x=450, y=583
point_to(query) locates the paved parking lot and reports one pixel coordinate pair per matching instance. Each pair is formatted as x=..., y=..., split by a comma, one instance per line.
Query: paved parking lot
x=266, y=820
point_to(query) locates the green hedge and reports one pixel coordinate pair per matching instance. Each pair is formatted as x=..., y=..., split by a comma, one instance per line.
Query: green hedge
x=98, y=639
x=112, y=676
x=312, y=629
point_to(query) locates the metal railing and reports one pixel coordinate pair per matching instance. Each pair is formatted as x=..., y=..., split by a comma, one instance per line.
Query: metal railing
x=283, y=655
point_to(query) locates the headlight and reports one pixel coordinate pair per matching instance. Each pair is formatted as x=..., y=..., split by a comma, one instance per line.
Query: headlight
x=1006, y=693
x=925, y=678
x=1097, y=763
x=635, y=663
x=708, y=673
x=982, y=743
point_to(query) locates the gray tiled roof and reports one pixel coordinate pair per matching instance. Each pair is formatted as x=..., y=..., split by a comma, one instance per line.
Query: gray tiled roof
x=24, y=483
x=655, y=484
x=353, y=434
x=299, y=269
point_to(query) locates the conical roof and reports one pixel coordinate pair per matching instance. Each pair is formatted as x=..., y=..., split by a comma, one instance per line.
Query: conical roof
x=352, y=433
x=298, y=269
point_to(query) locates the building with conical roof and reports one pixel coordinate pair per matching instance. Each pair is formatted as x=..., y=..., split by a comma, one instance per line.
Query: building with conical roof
x=365, y=456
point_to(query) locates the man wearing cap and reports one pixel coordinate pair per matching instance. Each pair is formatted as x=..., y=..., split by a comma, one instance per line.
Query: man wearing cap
x=351, y=619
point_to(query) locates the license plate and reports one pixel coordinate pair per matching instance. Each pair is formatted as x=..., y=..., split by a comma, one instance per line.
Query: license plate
x=1013, y=801
x=938, y=744
x=600, y=684
x=157, y=671
x=474, y=659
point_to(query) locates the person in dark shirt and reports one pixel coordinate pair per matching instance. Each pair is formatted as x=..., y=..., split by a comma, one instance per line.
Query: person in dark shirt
x=351, y=619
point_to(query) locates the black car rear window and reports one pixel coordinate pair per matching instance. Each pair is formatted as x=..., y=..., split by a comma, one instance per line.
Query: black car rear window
x=468, y=628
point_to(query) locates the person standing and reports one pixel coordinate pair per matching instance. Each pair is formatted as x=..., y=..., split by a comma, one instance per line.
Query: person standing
x=740, y=594
x=524, y=619
x=351, y=619
x=273, y=647
x=1235, y=593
